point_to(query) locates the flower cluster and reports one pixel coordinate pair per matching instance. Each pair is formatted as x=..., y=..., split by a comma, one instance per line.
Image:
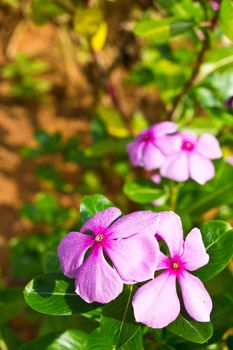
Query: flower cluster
x=178, y=155
x=110, y=251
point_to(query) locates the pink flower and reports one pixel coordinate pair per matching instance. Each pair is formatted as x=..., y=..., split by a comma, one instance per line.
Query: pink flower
x=128, y=243
x=156, y=304
x=145, y=149
x=215, y=4
x=190, y=157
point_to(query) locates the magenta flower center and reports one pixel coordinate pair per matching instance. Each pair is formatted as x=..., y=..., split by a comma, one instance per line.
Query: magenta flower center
x=187, y=146
x=149, y=137
x=99, y=238
x=176, y=265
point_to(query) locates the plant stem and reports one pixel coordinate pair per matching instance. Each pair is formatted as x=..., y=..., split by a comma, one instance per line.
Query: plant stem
x=174, y=191
x=196, y=68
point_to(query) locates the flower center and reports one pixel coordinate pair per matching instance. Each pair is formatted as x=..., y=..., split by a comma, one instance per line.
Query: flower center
x=187, y=146
x=99, y=238
x=149, y=137
x=176, y=265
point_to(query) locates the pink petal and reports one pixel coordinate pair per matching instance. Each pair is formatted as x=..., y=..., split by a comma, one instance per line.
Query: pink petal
x=189, y=136
x=96, y=280
x=100, y=221
x=71, y=251
x=194, y=255
x=135, y=150
x=164, y=128
x=156, y=304
x=196, y=298
x=176, y=166
x=163, y=262
x=169, y=144
x=169, y=228
x=152, y=157
x=135, y=258
x=137, y=222
x=201, y=168
x=208, y=146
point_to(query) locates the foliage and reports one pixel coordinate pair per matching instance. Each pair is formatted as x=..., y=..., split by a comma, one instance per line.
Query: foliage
x=185, y=60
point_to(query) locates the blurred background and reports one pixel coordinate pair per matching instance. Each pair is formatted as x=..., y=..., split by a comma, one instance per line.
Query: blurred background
x=79, y=79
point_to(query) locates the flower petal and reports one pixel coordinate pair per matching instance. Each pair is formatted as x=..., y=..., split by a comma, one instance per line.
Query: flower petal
x=152, y=157
x=71, y=251
x=196, y=298
x=169, y=229
x=100, y=221
x=201, y=168
x=176, y=166
x=188, y=136
x=156, y=304
x=135, y=150
x=163, y=262
x=208, y=146
x=164, y=128
x=135, y=257
x=194, y=255
x=96, y=280
x=169, y=144
x=137, y=222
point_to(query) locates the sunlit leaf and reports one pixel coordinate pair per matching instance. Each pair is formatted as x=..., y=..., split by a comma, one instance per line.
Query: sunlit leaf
x=112, y=121
x=69, y=340
x=90, y=205
x=197, y=332
x=217, y=59
x=54, y=294
x=226, y=18
x=218, y=240
x=142, y=191
x=87, y=21
x=99, y=38
x=162, y=30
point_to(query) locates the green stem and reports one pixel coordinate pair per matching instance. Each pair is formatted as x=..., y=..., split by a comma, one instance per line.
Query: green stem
x=174, y=192
x=125, y=312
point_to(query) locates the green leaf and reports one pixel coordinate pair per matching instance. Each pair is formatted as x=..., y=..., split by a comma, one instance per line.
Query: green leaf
x=96, y=341
x=51, y=263
x=69, y=340
x=216, y=59
x=162, y=30
x=11, y=303
x=118, y=325
x=218, y=240
x=214, y=193
x=9, y=339
x=191, y=330
x=142, y=191
x=43, y=10
x=54, y=294
x=181, y=8
x=91, y=205
x=226, y=18
x=113, y=121
x=107, y=146
x=222, y=315
x=87, y=21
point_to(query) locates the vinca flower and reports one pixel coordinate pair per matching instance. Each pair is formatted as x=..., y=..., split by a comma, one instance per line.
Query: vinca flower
x=146, y=149
x=107, y=253
x=190, y=157
x=156, y=304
